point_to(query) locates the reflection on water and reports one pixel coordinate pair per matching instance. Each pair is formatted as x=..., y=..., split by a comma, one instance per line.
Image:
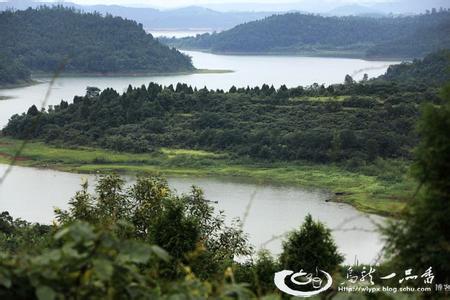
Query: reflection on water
x=33, y=193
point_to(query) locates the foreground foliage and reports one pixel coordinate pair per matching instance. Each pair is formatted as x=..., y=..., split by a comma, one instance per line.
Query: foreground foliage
x=142, y=242
x=104, y=245
x=422, y=239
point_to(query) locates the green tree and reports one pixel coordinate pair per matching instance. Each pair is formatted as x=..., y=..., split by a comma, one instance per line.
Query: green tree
x=175, y=232
x=92, y=92
x=348, y=80
x=149, y=211
x=310, y=247
x=33, y=111
x=422, y=238
x=258, y=273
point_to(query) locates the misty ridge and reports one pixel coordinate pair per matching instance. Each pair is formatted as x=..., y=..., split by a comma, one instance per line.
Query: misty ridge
x=222, y=16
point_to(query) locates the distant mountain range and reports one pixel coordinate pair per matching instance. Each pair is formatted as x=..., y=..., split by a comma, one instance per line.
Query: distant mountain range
x=218, y=17
x=356, y=10
x=327, y=7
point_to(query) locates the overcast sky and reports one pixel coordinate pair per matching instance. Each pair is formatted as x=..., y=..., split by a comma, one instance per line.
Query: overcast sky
x=179, y=3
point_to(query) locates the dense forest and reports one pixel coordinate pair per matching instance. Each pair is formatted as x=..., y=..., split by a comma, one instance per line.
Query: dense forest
x=43, y=39
x=344, y=122
x=12, y=71
x=434, y=69
x=387, y=37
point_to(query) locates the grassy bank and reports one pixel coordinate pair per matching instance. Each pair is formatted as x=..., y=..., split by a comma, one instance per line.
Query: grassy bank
x=380, y=188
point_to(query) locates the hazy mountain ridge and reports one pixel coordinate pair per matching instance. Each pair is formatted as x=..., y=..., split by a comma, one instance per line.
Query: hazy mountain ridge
x=222, y=16
x=191, y=17
x=325, y=7
x=355, y=10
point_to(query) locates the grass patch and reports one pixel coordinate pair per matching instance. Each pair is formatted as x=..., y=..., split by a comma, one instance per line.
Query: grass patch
x=196, y=153
x=381, y=188
x=319, y=99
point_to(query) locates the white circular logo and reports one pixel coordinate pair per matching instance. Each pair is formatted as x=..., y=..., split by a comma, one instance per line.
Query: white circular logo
x=302, y=279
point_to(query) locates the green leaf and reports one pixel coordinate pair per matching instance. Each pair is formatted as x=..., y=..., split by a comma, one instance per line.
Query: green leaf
x=271, y=297
x=45, y=293
x=5, y=280
x=161, y=253
x=82, y=231
x=47, y=257
x=103, y=269
x=61, y=233
x=78, y=231
x=69, y=251
x=137, y=252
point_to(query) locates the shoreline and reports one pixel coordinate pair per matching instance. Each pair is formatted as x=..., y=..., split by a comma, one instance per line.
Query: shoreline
x=323, y=54
x=130, y=74
x=17, y=85
x=38, y=76
x=366, y=193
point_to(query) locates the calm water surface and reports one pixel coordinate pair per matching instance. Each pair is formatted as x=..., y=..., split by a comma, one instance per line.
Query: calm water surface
x=248, y=70
x=32, y=194
x=176, y=34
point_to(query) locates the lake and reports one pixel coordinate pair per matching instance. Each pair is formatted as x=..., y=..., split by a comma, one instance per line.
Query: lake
x=176, y=34
x=32, y=194
x=251, y=70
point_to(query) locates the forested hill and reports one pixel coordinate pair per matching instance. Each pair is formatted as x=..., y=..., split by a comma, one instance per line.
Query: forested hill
x=12, y=72
x=434, y=69
x=355, y=122
x=43, y=38
x=388, y=37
